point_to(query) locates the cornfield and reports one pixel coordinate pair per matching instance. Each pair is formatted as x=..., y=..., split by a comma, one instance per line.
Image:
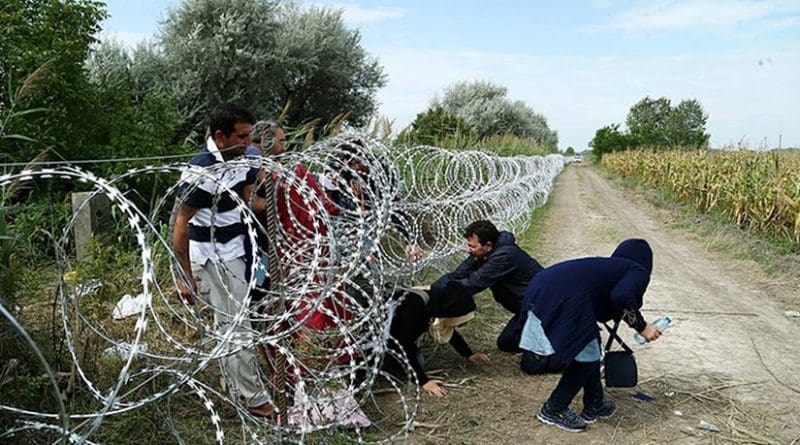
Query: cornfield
x=756, y=190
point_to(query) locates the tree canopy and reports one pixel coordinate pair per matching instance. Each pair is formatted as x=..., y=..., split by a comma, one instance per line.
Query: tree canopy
x=481, y=110
x=44, y=44
x=434, y=124
x=609, y=139
x=263, y=54
x=487, y=111
x=102, y=100
x=656, y=124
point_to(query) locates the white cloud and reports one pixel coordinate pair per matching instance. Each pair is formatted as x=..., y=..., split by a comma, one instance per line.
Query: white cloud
x=579, y=95
x=706, y=15
x=357, y=15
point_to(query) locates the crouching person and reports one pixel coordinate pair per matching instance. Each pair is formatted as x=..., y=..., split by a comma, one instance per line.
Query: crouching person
x=564, y=303
x=439, y=311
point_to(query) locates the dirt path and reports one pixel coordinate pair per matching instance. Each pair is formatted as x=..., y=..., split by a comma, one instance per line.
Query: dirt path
x=730, y=359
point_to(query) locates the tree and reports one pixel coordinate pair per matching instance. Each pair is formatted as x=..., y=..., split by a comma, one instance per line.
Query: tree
x=214, y=51
x=55, y=34
x=609, y=139
x=434, y=126
x=687, y=125
x=487, y=111
x=534, y=126
x=648, y=121
x=137, y=121
x=655, y=123
x=263, y=55
x=569, y=151
x=324, y=71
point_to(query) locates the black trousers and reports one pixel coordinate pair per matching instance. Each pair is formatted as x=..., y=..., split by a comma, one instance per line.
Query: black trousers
x=532, y=363
x=577, y=376
x=508, y=340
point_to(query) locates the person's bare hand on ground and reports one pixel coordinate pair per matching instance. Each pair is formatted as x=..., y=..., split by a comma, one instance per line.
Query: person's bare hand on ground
x=434, y=388
x=264, y=410
x=478, y=357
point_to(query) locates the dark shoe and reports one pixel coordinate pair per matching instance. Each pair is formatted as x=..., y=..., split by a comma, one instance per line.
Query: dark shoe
x=604, y=411
x=567, y=420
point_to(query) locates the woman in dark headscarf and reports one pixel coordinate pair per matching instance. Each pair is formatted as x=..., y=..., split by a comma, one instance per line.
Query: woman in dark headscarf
x=438, y=311
x=564, y=303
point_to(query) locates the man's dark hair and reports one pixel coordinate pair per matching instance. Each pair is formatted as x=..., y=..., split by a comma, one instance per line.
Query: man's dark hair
x=484, y=230
x=225, y=117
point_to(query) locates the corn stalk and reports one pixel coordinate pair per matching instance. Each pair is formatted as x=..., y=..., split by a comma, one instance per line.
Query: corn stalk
x=755, y=190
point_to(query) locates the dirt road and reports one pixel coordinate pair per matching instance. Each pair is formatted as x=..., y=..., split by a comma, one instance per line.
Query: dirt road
x=730, y=359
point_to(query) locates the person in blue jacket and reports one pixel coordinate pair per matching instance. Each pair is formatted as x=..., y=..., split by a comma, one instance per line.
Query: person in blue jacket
x=564, y=302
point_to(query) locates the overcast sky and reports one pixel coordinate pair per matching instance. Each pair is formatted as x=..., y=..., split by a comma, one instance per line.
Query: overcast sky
x=580, y=64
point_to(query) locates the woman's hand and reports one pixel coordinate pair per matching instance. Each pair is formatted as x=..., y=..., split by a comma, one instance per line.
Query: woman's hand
x=414, y=252
x=478, y=357
x=433, y=388
x=650, y=332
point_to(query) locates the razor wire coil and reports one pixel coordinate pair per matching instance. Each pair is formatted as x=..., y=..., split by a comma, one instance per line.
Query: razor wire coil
x=339, y=259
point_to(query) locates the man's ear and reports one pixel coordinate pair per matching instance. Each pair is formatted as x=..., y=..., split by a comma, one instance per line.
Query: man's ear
x=489, y=245
x=219, y=138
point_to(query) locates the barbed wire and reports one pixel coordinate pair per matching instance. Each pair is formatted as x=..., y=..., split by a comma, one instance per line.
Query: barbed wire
x=359, y=221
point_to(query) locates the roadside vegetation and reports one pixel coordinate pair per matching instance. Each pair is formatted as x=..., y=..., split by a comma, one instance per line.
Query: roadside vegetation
x=656, y=125
x=479, y=115
x=759, y=191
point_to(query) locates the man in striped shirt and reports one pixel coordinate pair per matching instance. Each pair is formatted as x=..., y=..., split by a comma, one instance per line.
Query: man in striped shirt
x=208, y=239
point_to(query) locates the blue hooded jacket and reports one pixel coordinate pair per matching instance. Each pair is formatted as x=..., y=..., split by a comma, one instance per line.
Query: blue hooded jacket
x=571, y=297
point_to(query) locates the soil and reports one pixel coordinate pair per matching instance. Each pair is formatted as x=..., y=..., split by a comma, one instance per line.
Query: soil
x=729, y=359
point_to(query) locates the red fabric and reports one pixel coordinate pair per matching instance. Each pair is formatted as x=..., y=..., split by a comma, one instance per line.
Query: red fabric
x=301, y=230
x=303, y=213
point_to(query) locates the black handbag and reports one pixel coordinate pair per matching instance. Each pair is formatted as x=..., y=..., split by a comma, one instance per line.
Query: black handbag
x=620, y=366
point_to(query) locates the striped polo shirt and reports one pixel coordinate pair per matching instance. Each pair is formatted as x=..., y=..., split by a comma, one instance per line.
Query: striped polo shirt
x=211, y=195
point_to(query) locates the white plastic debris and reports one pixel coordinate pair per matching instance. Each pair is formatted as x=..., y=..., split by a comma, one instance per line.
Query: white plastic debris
x=669, y=394
x=128, y=306
x=792, y=314
x=703, y=425
x=333, y=406
x=678, y=413
x=83, y=289
x=122, y=350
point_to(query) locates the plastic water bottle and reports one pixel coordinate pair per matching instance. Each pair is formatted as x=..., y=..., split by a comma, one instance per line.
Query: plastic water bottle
x=662, y=324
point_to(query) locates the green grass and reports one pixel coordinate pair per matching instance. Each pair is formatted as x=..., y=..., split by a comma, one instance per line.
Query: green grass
x=532, y=236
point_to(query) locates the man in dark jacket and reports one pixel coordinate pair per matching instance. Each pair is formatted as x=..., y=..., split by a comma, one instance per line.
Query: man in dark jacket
x=496, y=262
x=564, y=303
